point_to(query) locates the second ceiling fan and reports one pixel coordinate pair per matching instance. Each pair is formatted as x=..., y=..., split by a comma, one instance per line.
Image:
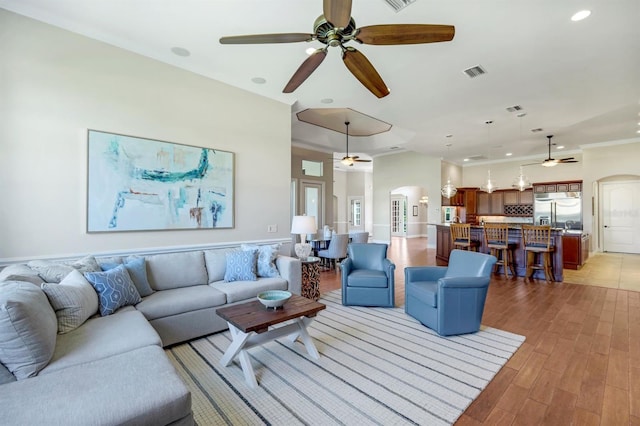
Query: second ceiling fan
x=550, y=162
x=335, y=28
x=348, y=160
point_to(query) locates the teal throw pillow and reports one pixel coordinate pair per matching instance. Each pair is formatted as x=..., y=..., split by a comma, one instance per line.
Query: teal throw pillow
x=137, y=269
x=115, y=289
x=241, y=266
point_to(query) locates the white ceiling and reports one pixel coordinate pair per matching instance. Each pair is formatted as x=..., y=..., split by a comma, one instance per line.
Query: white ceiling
x=579, y=81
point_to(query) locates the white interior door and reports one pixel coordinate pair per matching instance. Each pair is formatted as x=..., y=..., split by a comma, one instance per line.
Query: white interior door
x=398, y=216
x=621, y=216
x=312, y=200
x=356, y=214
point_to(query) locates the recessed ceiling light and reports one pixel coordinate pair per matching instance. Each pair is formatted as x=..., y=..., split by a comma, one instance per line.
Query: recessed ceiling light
x=326, y=100
x=638, y=131
x=509, y=154
x=258, y=80
x=466, y=159
x=560, y=147
x=581, y=15
x=310, y=51
x=180, y=51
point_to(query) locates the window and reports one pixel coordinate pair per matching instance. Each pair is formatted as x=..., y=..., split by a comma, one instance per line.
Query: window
x=312, y=168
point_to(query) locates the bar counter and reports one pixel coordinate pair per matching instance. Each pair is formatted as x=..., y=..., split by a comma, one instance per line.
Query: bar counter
x=444, y=247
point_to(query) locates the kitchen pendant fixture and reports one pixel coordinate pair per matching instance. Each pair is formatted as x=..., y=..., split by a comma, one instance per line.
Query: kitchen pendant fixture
x=448, y=190
x=489, y=186
x=521, y=182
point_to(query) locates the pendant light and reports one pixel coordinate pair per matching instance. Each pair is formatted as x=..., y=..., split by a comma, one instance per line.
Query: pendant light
x=521, y=182
x=488, y=186
x=448, y=190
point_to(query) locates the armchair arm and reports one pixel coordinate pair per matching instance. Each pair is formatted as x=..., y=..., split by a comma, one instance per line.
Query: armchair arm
x=424, y=273
x=345, y=269
x=463, y=282
x=388, y=267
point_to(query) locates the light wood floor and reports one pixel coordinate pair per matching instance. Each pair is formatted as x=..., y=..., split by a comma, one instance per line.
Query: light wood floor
x=580, y=363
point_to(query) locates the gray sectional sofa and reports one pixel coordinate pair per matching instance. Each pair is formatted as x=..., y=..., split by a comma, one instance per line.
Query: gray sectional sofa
x=112, y=369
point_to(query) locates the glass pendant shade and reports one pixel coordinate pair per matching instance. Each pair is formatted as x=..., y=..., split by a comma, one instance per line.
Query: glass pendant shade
x=489, y=186
x=448, y=190
x=521, y=182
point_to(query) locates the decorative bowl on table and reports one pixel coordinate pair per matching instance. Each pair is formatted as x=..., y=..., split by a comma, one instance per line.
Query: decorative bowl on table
x=274, y=298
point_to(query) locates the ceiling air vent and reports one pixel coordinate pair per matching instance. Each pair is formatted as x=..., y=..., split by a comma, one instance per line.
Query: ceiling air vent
x=514, y=108
x=539, y=129
x=398, y=5
x=474, y=72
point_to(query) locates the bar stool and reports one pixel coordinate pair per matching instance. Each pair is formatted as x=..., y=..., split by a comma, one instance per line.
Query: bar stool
x=496, y=238
x=461, y=237
x=536, y=240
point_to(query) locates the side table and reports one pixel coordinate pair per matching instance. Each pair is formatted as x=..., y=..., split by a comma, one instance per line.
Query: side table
x=310, y=278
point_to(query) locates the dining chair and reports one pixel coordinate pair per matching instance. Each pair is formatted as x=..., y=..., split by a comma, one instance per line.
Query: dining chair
x=337, y=250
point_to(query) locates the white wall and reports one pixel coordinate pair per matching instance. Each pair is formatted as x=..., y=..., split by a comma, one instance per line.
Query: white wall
x=398, y=170
x=55, y=84
x=606, y=162
x=340, y=192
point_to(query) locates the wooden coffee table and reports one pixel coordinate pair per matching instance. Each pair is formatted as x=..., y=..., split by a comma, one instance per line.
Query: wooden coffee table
x=249, y=325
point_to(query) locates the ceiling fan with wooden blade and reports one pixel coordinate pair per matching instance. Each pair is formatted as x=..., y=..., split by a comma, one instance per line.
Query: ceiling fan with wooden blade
x=334, y=28
x=551, y=162
x=349, y=160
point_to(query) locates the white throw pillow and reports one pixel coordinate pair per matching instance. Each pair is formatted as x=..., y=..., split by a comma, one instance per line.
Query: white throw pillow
x=74, y=300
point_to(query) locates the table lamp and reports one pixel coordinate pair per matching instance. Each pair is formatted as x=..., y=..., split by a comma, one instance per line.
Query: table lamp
x=303, y=225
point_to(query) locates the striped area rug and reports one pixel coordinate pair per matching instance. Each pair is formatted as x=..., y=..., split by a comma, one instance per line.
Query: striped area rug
x=377, y=366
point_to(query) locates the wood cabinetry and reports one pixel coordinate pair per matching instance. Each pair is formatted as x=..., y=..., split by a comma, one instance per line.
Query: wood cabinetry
x=456, y=200
x=489, y=204
x=575, y=250
x=518, y=197
x=569, y=186
x=443, y=244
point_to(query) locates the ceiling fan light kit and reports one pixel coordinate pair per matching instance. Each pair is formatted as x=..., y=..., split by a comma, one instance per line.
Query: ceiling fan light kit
x=335, y=28
x=348, y=160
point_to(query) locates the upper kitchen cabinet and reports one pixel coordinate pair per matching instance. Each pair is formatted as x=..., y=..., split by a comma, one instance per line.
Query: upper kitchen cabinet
x=489, y=204
x=512, y=198
x=549, y=187
x=456, y=200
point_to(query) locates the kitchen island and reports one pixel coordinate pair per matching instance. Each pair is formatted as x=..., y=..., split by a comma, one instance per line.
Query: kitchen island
x=444, y=247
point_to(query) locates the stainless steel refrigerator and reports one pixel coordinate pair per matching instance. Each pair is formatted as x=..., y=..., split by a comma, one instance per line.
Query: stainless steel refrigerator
x=558, y=209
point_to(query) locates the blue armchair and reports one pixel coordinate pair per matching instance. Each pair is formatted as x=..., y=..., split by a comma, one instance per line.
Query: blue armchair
x=449, y=300
x=367, y=276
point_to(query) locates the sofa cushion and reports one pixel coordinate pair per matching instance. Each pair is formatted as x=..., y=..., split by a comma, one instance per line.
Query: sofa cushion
x=115, y=289
x=267, y=254
x=216, y=261
x=241, y=266
x=137, y=269
x=51, y=272
x=102, y=337
x=74, y=300
x=140, y=387
x=179, y=300
x=28, y=329
x=243, y=290
x=54, y=272
x=20, y=272
x=173, y=270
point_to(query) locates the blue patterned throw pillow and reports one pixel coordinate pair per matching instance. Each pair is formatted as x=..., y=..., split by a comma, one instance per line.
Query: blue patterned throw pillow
x=267, y=254
x=137, y=269
x=241, y=266
x=115, y=289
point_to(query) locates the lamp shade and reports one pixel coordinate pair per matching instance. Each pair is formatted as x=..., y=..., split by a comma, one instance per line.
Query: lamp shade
x=304, y=225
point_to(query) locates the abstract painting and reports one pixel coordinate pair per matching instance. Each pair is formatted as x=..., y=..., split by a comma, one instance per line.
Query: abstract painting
x=138, y=184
